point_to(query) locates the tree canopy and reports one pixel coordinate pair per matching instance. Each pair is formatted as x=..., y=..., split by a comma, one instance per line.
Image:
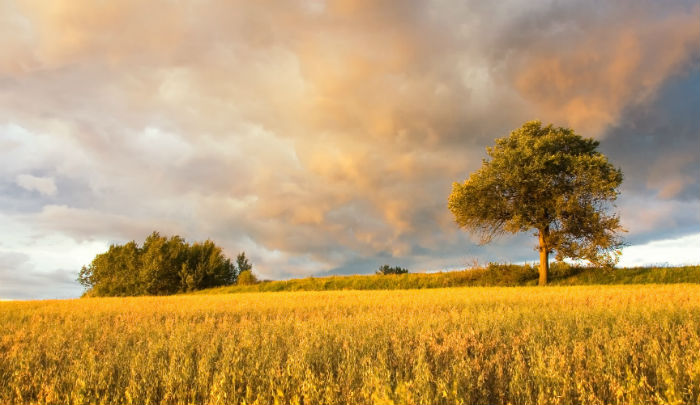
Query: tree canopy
x=246, y=277
x=242, y=263
x=550, y=180
x=163, y=265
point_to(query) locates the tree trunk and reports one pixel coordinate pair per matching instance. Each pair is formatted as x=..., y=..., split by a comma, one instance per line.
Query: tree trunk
x=544, y=256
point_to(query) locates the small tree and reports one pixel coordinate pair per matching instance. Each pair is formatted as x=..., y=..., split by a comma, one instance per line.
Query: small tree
x=385, y=269
x=246, y=277
x=548, y=179
x=242, y=263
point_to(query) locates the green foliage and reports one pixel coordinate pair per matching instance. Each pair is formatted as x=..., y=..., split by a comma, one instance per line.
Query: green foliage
x=386, y=269
x=114, y=273
x=242, y=263
x=246, y=277
x=161, y=260
x=494, y=274
x=206, y=267
x=546, y=179
x=161, y=266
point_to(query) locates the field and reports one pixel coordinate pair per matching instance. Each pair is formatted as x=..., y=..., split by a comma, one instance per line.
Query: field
x=523, y=345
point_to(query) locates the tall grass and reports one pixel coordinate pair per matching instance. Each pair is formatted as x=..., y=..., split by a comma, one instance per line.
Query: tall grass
x=558, y=345
x=491, y=275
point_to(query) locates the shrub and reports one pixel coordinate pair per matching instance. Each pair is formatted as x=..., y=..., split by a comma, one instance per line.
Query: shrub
x=247, y=277
x=386, y=269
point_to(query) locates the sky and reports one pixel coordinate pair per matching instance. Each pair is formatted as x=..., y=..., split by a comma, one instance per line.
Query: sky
x=323, y=137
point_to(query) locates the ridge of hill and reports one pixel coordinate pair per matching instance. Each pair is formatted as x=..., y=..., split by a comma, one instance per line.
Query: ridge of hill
x=491, y=275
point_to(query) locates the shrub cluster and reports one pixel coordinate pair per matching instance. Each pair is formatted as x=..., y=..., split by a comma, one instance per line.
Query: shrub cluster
x=161, y=266
x=386, y=269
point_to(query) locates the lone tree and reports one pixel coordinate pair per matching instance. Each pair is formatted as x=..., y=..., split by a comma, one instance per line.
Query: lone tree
x=548, y=179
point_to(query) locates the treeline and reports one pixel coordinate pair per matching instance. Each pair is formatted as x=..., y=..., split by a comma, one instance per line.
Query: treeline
x=162, y=265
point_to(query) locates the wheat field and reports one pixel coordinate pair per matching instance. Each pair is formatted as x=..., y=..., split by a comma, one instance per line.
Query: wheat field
x=522, y=345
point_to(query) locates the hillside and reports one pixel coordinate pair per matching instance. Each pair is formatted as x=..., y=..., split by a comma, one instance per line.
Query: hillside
x=491, y=275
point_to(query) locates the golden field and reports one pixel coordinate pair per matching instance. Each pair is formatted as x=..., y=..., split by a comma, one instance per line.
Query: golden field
x=524, y=345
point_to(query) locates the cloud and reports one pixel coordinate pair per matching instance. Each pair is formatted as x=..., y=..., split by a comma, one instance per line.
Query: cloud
x=21, y=280
x=59, y=284
x=670, y=252
x=37, y=264
x=44, y=185
x=324, y=136
x=583, y=67
x=82, y=224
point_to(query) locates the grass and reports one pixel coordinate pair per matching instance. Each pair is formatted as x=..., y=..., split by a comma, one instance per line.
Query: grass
x=491, y=275
x=558, y=345
x=634, y=275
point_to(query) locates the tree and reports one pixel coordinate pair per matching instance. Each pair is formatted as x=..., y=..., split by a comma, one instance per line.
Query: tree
x=246, y=277
x=114, y=273
x=161, y=260
x=386, y=269
x=242, y=263
x=550, y=180
x=206, y=267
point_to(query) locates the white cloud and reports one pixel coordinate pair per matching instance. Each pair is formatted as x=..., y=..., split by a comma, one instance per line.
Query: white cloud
x=673, y=252
x=44, y=185
x=41, y=264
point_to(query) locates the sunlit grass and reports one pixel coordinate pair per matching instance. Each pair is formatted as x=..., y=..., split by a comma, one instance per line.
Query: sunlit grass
x=524, y=345
x=491, y=275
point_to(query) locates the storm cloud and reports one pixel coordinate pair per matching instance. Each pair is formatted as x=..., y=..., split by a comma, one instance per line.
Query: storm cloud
x=322, y=137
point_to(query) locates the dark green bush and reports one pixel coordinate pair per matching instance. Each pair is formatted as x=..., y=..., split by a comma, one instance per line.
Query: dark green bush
x=386, y=269
x=161, y=266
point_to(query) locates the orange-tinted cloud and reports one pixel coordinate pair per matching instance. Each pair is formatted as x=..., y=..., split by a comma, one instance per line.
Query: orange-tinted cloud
x=587, y=79
x=311, y=133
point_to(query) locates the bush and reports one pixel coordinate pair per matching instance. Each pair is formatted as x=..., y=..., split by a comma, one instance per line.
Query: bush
x=385, y=269
x=247, y=278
